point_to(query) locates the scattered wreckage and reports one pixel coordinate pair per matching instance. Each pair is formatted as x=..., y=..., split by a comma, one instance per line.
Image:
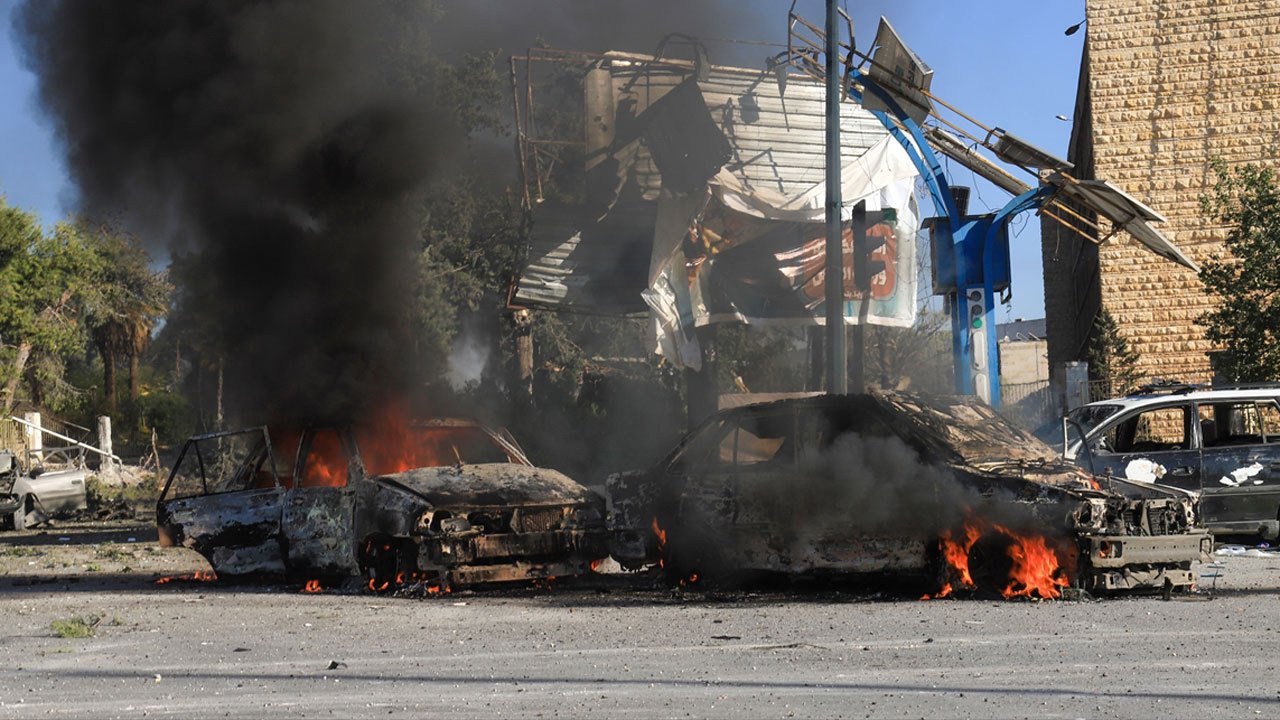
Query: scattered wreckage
x=443, y=503
x=940, y=489
x=29, y=497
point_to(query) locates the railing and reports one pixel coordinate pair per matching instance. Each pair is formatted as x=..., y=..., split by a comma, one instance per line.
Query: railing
x=1029, y=405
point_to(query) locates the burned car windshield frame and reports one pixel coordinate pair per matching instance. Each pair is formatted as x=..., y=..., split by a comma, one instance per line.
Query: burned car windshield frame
x=261, y=447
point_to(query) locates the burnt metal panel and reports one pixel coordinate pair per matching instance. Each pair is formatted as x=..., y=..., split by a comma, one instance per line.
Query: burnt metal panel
x=318, y=528
x=686, y=144
x=238, y=532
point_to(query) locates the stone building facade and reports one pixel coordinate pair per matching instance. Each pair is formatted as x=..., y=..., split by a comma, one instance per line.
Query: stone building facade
x=1165, y=86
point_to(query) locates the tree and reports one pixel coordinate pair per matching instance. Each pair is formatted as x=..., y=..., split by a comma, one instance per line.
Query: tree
x=1110, y=357
x=41, y=278
x=1244, y=280
x=124, y=300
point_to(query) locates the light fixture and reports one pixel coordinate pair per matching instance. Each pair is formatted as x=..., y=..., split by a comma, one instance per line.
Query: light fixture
x=1072, y=30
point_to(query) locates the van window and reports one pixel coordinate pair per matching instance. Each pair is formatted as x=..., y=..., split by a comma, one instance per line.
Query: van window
x=1156, y=430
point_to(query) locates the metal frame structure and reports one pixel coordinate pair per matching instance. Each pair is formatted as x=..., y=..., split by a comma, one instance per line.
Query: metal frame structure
x=972, y=304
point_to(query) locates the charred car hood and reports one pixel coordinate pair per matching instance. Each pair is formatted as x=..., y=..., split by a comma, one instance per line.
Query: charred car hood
x=489, y=484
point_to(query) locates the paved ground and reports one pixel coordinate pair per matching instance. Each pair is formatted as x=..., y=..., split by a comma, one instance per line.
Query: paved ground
x=611, y=647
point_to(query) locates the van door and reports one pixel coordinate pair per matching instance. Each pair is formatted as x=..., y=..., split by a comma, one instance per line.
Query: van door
x=1241, y=467
x=1155, y=445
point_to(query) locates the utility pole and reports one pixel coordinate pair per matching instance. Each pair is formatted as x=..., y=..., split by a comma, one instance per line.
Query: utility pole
x=837, y=358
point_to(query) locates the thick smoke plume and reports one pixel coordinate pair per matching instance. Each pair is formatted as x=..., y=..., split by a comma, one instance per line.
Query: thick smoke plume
x=281, y=145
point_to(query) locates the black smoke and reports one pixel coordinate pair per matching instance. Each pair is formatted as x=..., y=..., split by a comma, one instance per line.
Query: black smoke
x=281, y=147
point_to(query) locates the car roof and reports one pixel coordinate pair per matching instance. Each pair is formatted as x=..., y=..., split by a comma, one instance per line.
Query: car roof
x=1183, y=395
x=953, y=428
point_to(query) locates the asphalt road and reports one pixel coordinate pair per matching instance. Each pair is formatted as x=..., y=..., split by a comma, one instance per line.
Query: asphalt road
x=615, y=646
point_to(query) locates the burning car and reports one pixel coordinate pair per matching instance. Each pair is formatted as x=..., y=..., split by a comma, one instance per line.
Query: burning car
x=444, y=503
x=942, y=490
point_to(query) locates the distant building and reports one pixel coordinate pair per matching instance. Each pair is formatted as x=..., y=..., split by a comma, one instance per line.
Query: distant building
x=1165, y=86
x=1024, y=356
x=1024, y=372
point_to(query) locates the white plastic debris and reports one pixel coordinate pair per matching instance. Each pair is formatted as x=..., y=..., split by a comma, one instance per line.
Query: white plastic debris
x=1143, y=470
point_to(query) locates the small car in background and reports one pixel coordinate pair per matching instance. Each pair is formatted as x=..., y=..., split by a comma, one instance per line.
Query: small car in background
x=1221, y=444
x=29, y=497
x=445, y=502
x=942, y=490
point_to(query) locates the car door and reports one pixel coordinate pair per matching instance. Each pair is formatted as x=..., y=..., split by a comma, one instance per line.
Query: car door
x=223, y=499
x=1241, y=488
x=728, y=497
x=319, y=511
x=1152, y=444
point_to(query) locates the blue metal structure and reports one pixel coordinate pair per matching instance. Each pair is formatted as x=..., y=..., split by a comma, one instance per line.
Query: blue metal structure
x=975, y=251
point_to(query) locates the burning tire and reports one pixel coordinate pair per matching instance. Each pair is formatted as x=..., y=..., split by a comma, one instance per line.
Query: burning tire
x=990, y=564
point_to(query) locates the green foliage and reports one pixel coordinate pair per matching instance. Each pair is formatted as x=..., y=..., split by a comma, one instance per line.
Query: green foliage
x=1110, y=357
x=124, y=300
x=76, y=627
x=42, y=281
x=119, y=500
x=1245, y=280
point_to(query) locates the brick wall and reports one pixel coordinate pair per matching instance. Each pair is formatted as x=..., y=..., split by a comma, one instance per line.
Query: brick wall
x=1171, y=84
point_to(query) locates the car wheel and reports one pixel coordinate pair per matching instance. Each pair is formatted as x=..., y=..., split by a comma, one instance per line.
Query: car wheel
x=990, y=563
x=20, y=515
x=694, y=555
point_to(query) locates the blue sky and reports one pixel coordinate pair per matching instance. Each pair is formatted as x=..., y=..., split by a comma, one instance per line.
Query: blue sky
x=1005, y=62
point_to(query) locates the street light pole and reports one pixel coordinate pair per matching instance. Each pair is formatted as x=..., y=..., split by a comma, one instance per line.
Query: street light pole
x=837, y=361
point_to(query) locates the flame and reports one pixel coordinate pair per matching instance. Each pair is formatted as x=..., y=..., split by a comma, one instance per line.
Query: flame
x=198, y=576
x=662, y=541
x=433, y=587
x=312, y=586
x=693, y=578
x=662, y=534
x=389, y=442
x=595, y=564
x=1037, y=569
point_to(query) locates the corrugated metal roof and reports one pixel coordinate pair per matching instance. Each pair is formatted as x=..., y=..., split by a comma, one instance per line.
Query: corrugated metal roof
x=589, y=266
x=778, y=139
x=778, y=144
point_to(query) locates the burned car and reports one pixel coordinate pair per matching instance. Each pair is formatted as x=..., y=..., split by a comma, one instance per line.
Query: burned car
x=54, y=485
x=443, y=503
x=942, y=491
x=1220, y=443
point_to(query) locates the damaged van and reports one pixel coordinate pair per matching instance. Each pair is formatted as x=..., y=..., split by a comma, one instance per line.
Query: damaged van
x=1220, y=443
x=942, y=491
x=444, y=503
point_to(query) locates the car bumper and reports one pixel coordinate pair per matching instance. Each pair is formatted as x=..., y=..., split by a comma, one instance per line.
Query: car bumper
x=1131, y=562
x=480, y=558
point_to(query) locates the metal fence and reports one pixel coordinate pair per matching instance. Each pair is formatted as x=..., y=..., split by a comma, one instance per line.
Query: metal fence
x=1030, y=405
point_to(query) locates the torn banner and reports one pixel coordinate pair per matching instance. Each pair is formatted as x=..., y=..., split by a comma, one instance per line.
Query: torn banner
x=722, y=264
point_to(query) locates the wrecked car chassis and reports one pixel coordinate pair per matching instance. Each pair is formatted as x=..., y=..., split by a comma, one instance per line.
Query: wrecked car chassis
x=330, y=519
x=938, y=492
